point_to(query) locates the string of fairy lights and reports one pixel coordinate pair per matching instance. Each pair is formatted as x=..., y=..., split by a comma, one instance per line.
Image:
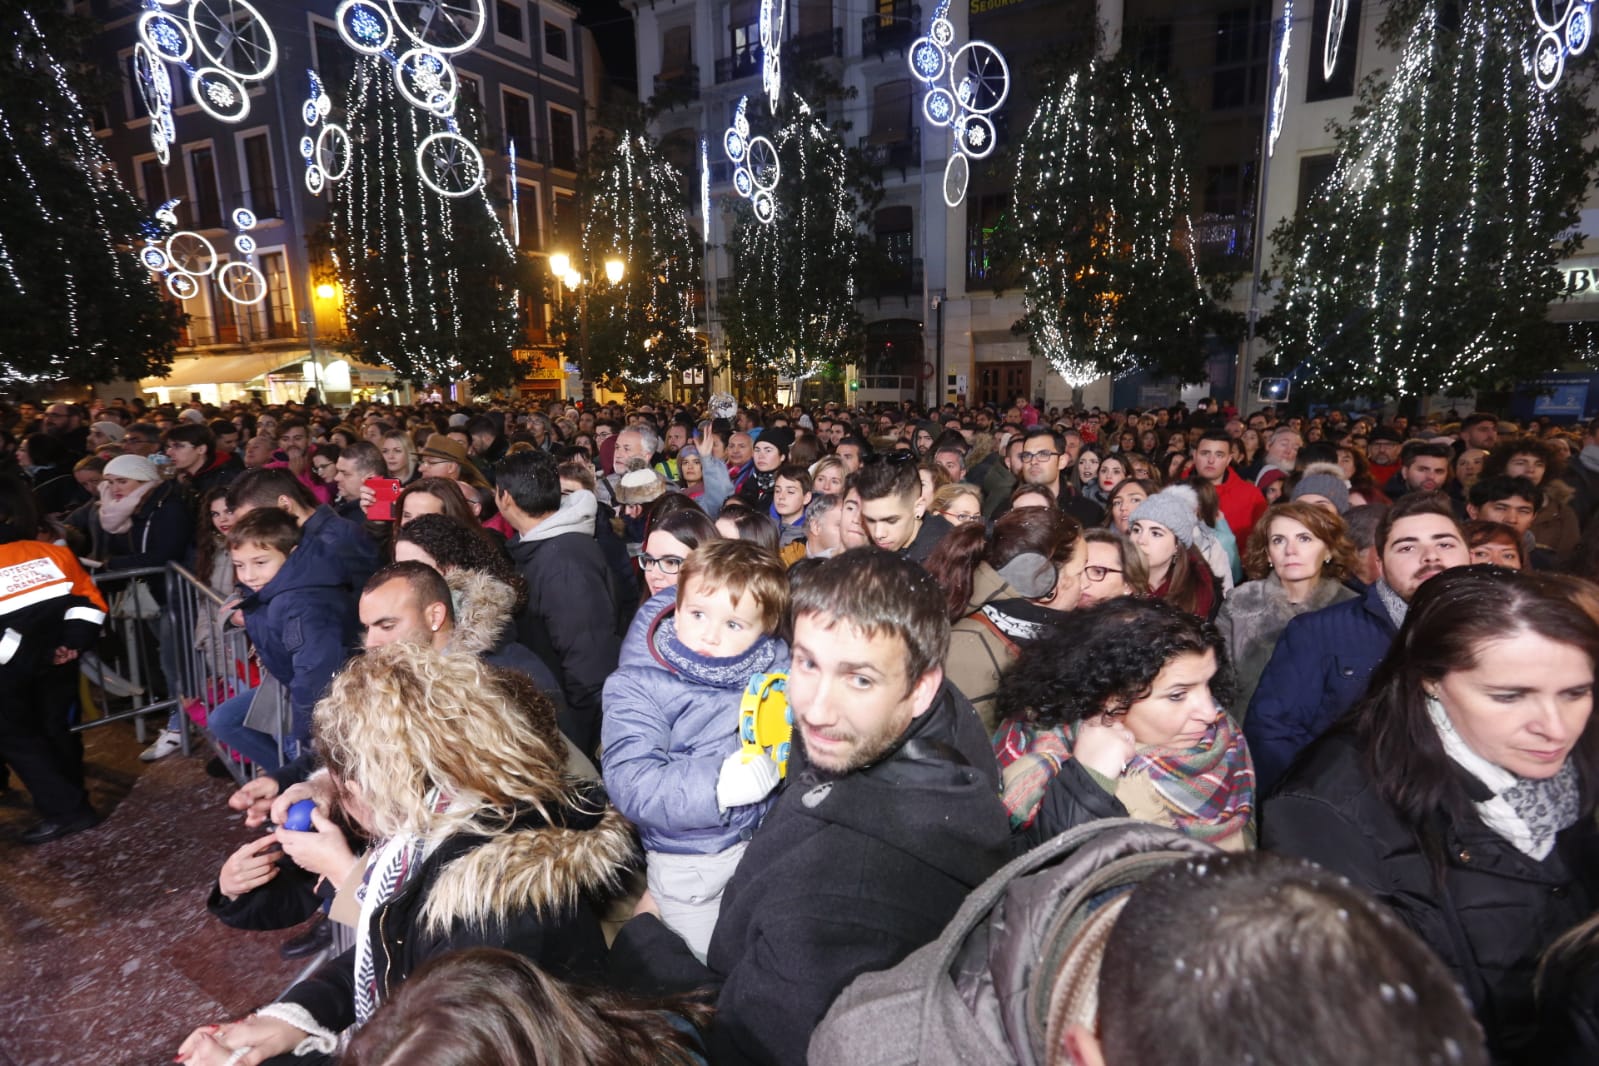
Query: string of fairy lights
x=1066, y=159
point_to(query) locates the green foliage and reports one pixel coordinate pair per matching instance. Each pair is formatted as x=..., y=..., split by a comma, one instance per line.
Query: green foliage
x=1425, y=264
x=632, y=207
x=431, y=283
x=1102, y=232
x=793, y=308
x=75, y=302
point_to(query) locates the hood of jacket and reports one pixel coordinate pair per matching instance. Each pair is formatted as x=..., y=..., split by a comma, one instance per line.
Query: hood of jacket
x=575, y=515
x=533, y=865
x=484, y=608
x=1030, y=965
x=305, y=568
x=948, y=811
x=1558, y=491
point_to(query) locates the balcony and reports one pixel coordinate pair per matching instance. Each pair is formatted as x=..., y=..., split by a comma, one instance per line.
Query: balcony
x=900, y=155
x=901, y=280
x=812, y=47
x=1219, y=238
x=681, y=85
x=891, y=32
x=746, y=64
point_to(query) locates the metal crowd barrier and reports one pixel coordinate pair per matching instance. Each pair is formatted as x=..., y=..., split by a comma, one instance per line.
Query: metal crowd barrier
x=185, y=651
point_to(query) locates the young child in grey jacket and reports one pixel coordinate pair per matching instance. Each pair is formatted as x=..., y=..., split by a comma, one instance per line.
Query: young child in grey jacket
x=672, y=758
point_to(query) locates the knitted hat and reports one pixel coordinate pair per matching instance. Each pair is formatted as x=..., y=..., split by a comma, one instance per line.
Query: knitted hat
x=779, y=437
x=132, y=467
x=640, y=486
x=189, y=414
x=1269, y=477
x=447, y=448
x=1176, y=507
x=457, y=420
x=110, y=430
x=1324, y=479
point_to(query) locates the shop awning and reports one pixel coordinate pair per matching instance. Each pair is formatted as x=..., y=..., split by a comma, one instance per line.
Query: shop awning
x=214, y=370
x=296, y=365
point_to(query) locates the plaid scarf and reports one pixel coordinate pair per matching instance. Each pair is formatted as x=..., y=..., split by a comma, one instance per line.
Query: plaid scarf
x=1208, y=790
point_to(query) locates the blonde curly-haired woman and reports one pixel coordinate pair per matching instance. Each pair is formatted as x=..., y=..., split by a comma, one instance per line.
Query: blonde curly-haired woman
x=478, y=839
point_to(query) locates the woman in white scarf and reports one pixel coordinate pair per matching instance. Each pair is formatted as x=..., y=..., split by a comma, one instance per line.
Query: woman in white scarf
x=1461, y=790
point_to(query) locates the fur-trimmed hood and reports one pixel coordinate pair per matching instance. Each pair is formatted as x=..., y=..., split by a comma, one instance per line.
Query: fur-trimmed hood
x=539, y=867
x=484, y=610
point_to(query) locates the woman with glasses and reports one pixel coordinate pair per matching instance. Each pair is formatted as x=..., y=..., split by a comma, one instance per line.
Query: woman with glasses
x=1004, y=590
x=324, y=464
x=1114, y=568
x=959, y=503
x=670, y=544
x=1297, y=559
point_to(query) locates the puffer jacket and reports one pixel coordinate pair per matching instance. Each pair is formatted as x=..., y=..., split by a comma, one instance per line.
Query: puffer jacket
x=988, y=639
x=1252, y=619
x=1496, y=909
x=1319, y=669
x=301, y=623
x=666, y=735
x=527, y=889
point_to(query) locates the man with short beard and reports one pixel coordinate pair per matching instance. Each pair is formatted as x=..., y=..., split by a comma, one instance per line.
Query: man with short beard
x=1324, y=659
x=889, y=819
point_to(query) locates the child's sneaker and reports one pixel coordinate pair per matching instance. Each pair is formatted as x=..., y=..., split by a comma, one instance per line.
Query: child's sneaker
x=168, y=742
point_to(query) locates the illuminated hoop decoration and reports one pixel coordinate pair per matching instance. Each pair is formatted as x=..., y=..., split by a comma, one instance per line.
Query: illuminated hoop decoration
x=1337, y=13
x=755, y=166
x=705, y=194
x=427, y=80
x=1565, y=28
x=183, y=286
x=190, y=253
x=365, y=26
x=447, y=26
x=771, y=27
x=243, y=283
x=1279, y=93
x=978, y=80
x=223, y=46
x=449, y=164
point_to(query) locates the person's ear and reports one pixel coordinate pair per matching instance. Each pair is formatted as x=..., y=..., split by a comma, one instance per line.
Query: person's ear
x=435, y=615
x=925, y=691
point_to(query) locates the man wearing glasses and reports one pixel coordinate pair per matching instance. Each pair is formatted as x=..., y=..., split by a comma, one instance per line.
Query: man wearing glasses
x=1046, y=462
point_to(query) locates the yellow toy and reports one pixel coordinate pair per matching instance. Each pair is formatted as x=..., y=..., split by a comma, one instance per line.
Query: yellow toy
x=765, y=723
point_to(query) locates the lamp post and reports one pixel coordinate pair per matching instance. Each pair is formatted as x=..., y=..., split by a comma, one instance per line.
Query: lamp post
x=573, y=279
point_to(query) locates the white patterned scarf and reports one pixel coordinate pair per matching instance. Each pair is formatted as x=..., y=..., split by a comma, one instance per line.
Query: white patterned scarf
x=1527, y=812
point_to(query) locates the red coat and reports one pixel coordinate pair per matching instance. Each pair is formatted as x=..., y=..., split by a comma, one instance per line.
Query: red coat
x=1241, y=504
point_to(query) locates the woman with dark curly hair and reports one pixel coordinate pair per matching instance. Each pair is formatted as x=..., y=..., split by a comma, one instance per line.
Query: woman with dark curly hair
x=1297, y=558
x=1119, y=712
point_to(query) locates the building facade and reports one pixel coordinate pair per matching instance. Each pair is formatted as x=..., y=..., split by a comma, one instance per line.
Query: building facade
x=531, y=73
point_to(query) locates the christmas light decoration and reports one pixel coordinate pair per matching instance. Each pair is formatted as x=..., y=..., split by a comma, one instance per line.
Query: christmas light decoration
x=1565, y=28
x=1337, y=14
x=447, y=26
x=642, y=323
x=429, y=279
x=1279, y=92
x=705, y=194
x=793, y=309
x=755, y=164
x=1424, y=263
x=364, y=26
x=222, y=45
x=771, y=30
x=1110, y=278
x=76, y=296
x=979, y=82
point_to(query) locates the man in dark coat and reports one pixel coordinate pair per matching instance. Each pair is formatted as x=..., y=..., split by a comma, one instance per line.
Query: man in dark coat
x=1047, y=461
x=1324, y=659
x=570, y=617
x=888, y=820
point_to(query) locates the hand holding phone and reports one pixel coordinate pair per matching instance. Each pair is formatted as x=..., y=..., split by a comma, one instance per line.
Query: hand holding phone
x=385, y=490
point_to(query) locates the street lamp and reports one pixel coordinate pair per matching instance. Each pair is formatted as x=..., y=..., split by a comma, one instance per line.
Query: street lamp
x=573, y=278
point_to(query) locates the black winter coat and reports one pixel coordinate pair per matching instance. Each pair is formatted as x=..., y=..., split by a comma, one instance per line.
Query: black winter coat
x=527, y=890
x=844, y=877
x=570, y=623
x=1497, y=909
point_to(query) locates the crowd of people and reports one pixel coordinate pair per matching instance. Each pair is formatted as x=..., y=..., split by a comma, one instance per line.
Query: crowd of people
x=847, y=736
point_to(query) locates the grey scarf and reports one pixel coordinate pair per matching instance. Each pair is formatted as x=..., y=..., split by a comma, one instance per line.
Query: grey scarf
x=1396, y=607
